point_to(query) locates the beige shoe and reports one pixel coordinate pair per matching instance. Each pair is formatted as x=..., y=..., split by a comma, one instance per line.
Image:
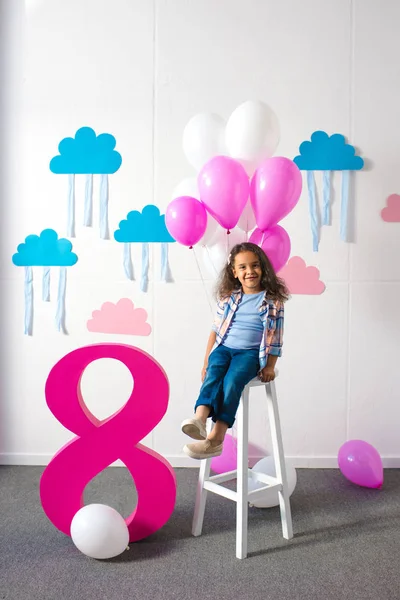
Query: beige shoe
x=194, y=428
x=202, y=450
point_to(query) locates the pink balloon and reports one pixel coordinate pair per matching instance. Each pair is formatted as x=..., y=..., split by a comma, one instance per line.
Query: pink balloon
x=275, y=190
x=361, y=463
x=186, y=220
x=275, y=242
x=227, y=461
x=224, y=189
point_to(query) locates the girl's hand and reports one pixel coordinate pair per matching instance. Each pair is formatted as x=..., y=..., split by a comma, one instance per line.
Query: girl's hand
x=203, y=373
x=267, y=374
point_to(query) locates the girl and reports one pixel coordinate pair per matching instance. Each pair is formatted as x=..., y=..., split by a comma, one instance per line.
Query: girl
x=247, y=332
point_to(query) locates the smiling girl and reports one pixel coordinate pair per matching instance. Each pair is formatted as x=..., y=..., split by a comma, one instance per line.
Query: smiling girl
x=247, y=335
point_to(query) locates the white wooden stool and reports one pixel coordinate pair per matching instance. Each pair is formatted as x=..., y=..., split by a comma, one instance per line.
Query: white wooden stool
x=242, y=496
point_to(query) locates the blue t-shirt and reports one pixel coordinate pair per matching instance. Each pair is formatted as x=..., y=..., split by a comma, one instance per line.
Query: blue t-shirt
x=246, y=328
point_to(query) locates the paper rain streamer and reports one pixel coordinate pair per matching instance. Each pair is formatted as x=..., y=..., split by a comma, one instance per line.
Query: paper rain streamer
x=89, y=155
x=144, y=227
x=327, y=153
x=46, y=251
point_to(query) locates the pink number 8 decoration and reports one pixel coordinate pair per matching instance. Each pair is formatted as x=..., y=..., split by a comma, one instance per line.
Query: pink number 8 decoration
x=100, y=443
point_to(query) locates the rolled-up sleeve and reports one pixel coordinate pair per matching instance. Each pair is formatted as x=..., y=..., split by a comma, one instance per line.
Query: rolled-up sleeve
x=218, y=316
x=277, y=338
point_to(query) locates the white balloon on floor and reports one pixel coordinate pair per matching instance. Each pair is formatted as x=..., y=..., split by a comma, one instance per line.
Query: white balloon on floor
x=203, y=138
x=270, y=498
x=252, y=133
x=99, y=531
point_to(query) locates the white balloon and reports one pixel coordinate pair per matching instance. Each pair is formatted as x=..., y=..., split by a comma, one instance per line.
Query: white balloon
x=99, y=531
x=210, y=232
x=247, y=220
x=187, y=187
x=203, y=138
x=252, y=133
x=215, y=259
x=270, y=498
x=226, y=241
x=216, y=255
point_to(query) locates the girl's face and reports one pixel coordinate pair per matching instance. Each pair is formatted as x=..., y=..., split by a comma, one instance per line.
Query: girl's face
x=247, y=269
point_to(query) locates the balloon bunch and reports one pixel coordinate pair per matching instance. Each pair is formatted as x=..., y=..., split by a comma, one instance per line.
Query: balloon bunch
x=238, y=183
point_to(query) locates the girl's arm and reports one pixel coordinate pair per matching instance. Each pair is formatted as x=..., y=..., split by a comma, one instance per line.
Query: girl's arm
x=268, y=372
x=271, y=361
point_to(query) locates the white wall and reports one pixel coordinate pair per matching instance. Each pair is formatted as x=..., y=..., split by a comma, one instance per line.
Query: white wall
x=140, y=70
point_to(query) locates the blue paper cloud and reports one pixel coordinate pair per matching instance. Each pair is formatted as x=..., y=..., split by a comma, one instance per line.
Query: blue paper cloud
x=145, y=226
x=87, y=153
x=328, y=153
x=45, y=250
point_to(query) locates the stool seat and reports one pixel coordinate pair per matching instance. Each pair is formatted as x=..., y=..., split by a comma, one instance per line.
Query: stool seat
x=242, y=496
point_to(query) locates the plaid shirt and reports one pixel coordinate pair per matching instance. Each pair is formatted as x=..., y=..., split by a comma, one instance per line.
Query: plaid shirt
x=271, y=314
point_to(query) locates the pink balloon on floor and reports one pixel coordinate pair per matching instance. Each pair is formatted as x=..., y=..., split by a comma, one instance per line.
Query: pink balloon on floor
x=275, y=242
x=227, y=461
x=361, y=464
x=224, y=189
x=186, y=220
x=274, y=190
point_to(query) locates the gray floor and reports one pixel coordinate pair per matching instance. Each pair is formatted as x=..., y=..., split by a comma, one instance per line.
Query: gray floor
x=346, y=545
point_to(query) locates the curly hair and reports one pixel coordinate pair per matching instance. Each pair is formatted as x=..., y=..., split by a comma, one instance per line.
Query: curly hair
x=273, y=285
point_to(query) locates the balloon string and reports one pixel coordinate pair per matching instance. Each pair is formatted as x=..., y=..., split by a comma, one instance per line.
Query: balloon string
x=228, y=250
x=202, y=281
x=211, y=261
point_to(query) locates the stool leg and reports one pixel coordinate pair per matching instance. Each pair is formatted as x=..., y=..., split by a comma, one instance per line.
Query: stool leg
x=242, y=476
x=279, y=457
x=201, y=497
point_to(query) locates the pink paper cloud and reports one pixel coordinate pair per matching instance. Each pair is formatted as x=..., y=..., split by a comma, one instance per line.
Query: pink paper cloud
x=301, y=279
x=122, y=318
x=391, y=212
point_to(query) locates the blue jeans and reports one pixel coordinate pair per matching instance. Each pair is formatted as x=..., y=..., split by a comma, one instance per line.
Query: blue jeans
x=228, y=372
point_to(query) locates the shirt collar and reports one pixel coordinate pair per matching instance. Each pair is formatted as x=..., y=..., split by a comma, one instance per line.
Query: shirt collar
x=237, y=294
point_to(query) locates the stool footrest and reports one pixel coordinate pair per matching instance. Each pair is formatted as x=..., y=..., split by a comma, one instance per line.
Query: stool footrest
x=215, y=488
x=262, y=478
x=223, y=477
x=220, y=490
x=253, y=495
